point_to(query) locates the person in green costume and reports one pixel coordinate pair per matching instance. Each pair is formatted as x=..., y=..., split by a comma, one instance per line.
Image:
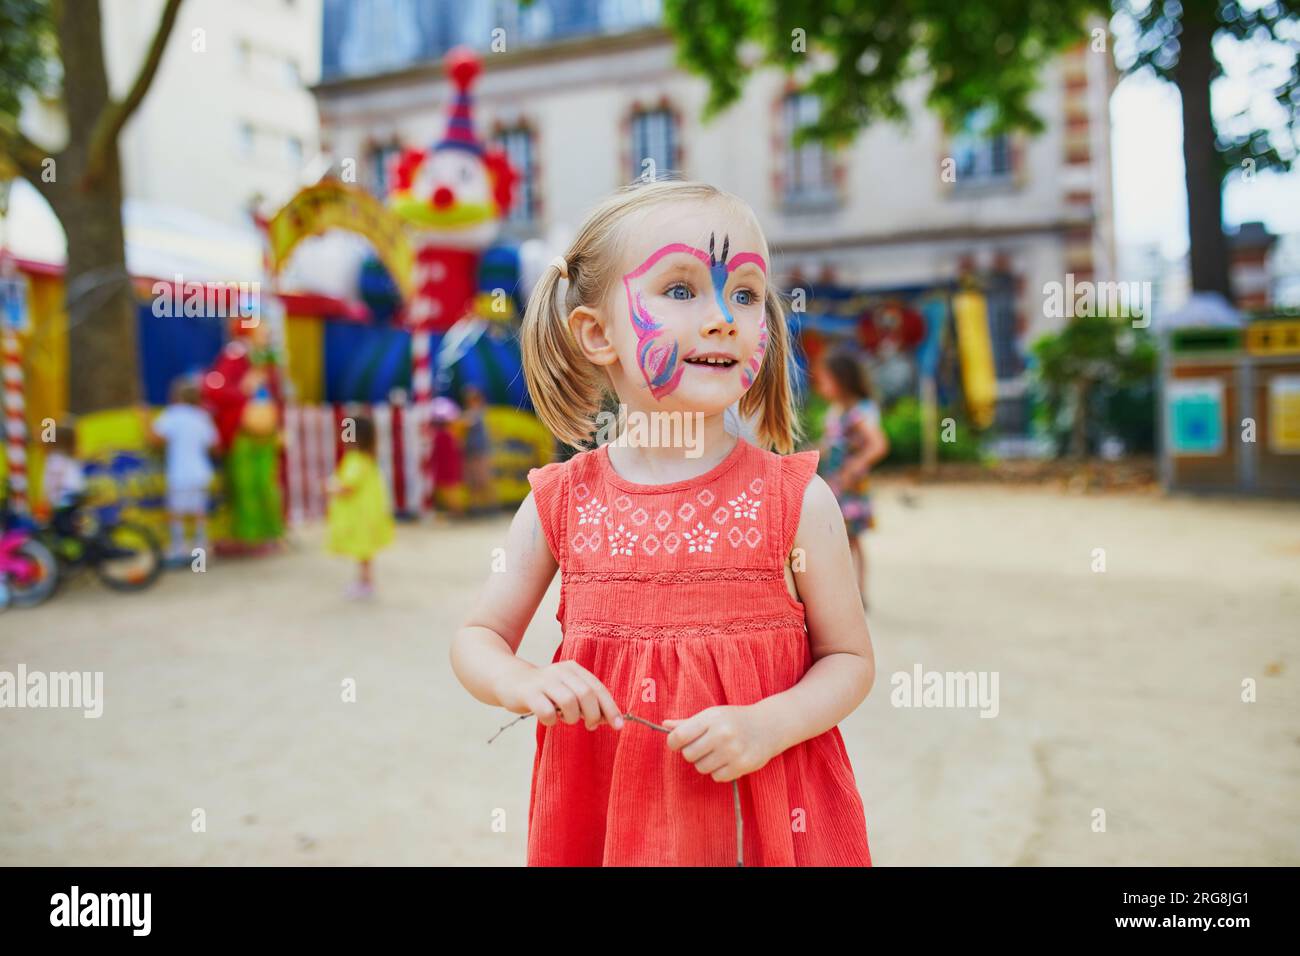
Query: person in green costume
x=242, y=391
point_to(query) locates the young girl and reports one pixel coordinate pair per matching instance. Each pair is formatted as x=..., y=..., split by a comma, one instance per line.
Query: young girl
x=360, y=520
x=686, y=701
x=854, y=442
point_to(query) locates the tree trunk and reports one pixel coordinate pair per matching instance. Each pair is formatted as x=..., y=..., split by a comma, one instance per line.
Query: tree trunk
x=1079, y=431
x=103, y=358
x=103, y=364
x=1204, y=172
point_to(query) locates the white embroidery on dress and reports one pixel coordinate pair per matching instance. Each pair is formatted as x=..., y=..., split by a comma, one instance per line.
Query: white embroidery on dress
x=640, y=516
x=622, y=502
x=720, y=516
x=650, y=545
x=621, y=542
x=580, y=490
x=700, y=538
x=672, y=541
x=705, y=497
x=746, y=507
x=662, y=520
x=592, y=512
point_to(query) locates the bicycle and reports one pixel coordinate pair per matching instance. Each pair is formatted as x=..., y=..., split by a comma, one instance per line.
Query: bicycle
x=124, y=555
x=29, y=572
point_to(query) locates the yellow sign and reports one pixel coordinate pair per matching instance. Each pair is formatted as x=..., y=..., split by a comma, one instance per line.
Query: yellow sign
x=1284, y=414
x=335, y=205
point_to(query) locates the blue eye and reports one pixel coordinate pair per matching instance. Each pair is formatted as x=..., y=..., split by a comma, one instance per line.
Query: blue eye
x=747, y=297
x=679, y=286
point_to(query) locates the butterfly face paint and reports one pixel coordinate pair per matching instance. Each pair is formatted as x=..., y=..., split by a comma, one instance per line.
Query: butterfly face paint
x=658, y=353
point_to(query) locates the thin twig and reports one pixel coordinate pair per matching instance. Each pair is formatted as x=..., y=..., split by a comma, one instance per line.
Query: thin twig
x=735, y=784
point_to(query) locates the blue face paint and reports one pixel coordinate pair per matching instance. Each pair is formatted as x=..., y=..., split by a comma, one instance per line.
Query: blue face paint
x=718, y=272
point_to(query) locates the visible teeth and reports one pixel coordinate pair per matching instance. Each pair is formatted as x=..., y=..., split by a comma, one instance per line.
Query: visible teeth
x=712, y=361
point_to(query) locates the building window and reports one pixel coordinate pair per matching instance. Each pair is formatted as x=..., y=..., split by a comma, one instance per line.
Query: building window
x=979, y=157
x=809, y=176
x=654, y=143
x=381, y=159
x=517, y=143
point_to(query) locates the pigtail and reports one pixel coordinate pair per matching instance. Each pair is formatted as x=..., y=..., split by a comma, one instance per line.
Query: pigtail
x=779, y=427
x=565, y=386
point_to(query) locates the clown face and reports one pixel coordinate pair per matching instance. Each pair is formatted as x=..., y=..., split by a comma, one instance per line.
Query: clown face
x=691, y=328
x=450, y=199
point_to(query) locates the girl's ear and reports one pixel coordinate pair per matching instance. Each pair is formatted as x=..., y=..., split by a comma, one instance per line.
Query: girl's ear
x=588, y=327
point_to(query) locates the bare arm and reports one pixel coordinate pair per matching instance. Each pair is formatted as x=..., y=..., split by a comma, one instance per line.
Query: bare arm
x=483, y=652
x=844, y=666
x=874, y=445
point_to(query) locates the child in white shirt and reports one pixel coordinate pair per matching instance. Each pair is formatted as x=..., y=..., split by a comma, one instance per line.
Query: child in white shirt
x=189, y=434
x=63, y=480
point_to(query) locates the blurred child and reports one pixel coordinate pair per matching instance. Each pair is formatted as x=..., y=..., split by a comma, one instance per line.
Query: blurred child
x=190, y=435
x=853, y=441
x=478, y=452
x=63, y=481
x=448, y=470
x=360, y=519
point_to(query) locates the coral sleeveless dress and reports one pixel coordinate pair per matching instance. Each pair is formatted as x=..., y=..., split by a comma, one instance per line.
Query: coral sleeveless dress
x=674, y=596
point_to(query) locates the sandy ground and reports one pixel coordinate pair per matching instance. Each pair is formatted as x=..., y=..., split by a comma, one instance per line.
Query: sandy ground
x=1119, y=692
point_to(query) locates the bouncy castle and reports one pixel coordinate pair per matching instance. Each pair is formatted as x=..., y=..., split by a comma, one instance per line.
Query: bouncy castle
x=434, y=311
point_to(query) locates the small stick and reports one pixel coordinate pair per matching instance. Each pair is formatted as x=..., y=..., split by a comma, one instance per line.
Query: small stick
x=735, y=785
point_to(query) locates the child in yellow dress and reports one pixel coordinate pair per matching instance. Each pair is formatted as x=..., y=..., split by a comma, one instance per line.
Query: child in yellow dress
x=360, y=519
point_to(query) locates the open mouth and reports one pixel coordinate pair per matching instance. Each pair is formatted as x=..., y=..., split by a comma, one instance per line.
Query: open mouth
x=716, y=362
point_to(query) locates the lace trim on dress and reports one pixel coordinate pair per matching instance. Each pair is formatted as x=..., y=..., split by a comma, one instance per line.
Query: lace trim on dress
x=668, y=632
x=679, y=576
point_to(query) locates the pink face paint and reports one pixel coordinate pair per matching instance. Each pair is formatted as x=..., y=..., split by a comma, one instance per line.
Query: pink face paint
x=749, y=374
x=657, y=356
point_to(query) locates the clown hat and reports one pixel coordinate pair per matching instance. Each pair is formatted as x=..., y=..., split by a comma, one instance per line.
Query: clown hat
x=463, y=67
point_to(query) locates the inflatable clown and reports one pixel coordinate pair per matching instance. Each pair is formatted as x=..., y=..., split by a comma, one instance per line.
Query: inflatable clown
x=452, y=197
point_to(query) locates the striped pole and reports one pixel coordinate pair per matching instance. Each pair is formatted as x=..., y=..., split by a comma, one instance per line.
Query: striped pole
x=15, y=421
x=421, y=403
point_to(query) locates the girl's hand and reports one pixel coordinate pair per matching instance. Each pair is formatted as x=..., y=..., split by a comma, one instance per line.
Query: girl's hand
x=726, y=741
x=564, y=686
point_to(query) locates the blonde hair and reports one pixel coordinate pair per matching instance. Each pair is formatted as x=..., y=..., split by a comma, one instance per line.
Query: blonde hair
x=568, y=390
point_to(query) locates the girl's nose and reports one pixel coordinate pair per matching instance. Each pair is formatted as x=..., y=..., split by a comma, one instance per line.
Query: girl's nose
x=718, y=321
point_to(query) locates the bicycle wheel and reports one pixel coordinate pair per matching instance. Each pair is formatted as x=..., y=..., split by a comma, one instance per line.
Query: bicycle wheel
x=127, y=557
x=37, y=582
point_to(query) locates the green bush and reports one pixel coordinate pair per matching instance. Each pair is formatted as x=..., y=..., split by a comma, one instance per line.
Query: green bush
x=902, y=424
